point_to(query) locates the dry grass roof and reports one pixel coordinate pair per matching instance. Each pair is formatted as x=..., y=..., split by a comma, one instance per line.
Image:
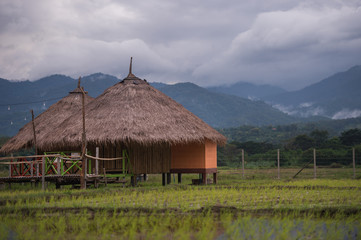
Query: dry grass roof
x=47, y=121
x=132, y=111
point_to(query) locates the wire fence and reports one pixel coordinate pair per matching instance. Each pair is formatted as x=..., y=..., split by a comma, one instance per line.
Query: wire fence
x=312, y=163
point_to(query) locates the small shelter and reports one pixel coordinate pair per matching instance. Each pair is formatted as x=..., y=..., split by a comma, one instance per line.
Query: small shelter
x=46, y=122
x=159, y=134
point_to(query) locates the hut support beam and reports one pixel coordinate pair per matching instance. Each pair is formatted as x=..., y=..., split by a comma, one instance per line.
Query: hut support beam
x=133, y=180
x=214, y=178
x=179, y=178
x=163, y=179
x=169, y=178
x=204, y=178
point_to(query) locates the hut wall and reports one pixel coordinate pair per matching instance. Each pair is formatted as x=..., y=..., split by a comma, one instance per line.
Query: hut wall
x=150, y=159
x=144, y=159
x=109, y=151
x=211, y=155
x=194, y=157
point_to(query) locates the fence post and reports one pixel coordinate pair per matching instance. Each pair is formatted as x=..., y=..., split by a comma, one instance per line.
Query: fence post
x=314, y=164
x=242, y=163
x=278, y=163
x=43, y=173
x=37, y=168
x=10, y=165
x=58, y=165
x=354, y=163
x=96, y=161
x=32, y=169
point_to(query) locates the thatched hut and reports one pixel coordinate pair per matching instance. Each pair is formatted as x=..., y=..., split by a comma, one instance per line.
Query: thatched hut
x=46, y=122
x=159, y=134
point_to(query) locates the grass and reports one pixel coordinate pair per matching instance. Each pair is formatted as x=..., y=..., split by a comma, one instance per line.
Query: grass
x=253, y=207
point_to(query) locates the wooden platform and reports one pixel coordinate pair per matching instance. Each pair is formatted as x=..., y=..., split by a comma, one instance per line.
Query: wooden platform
x=69, y=179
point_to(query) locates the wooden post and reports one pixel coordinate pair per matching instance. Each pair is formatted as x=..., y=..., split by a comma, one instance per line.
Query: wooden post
x=179, y=178
x=32, y=169
x=354, y=163
x=37, y=169
x=204, y=178
x=105, y=177
x=278, y=164
x=215, y=178
x=242, y=163
x=58, y=165
x=133, y=180
x=169, y=178
x=83, y=158
x=314, y=164
x=163, y=179
x=96, y=161
x=10, y=165
x=34, y=134
x=43, y=173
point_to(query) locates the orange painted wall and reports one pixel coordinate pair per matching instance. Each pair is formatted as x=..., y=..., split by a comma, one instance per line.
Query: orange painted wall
x=211, y=155
x=194, y=155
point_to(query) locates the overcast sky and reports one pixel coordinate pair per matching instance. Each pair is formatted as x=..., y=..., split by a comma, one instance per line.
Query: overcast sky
x=289, y=43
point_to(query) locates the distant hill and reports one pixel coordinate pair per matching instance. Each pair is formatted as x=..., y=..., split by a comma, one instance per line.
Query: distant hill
x=248, y=90
x=221, y=110
x=224, y=106
x=17, y=98
x=337, y=97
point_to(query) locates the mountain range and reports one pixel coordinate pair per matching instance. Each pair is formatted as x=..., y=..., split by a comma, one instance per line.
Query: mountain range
x=335, y=97
x=220, y=106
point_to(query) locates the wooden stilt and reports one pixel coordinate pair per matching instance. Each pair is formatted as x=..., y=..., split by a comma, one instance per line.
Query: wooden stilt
x=43, y=173
x=215, y=178
x=57, y=184
x=179, y=178
x=105, y=177
x=169, y=178
x=163, y=179
x=133, y=180
x=204, y=178
x=96, y=161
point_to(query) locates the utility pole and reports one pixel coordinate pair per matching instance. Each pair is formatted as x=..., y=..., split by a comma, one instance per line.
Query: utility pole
x=34, y=134
x=83, y=158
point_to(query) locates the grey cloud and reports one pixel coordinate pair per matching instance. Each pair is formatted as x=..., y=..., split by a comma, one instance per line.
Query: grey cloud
x=288, y=43
x=291, y=45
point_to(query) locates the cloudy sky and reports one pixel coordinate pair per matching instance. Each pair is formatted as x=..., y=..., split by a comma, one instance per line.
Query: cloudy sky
x=289, y=43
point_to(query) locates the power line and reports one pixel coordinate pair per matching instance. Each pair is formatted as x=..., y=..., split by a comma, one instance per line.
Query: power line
x=25, y=103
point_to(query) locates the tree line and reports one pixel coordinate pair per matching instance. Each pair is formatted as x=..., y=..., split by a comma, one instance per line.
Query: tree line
x=333, y=151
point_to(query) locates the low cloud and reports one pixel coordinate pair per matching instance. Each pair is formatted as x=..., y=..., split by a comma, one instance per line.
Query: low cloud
x=303, y=110
x=346, y=113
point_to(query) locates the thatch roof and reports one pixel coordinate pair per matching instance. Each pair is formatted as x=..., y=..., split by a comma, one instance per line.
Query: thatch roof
x=47, y=121
x=132, y=111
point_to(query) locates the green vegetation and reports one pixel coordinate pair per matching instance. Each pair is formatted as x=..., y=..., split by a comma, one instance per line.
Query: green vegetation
x=279, y=134
x=296, y=151
x=236, y=208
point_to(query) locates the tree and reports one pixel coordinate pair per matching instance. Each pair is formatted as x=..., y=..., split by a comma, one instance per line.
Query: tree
x=303, y=142
x=351, y=137
x=320, y=137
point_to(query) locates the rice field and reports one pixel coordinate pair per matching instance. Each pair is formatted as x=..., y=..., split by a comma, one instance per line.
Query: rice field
x=235, y=208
